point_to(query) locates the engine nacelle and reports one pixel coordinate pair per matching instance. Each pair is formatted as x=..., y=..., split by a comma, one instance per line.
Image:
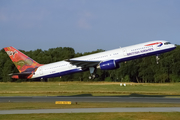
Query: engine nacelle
x=108, y=65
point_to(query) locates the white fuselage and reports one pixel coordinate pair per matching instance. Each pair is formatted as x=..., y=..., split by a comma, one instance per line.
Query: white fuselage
x=119, y=55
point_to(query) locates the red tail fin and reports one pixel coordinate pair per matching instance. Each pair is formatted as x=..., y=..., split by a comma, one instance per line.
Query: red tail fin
x=21, y=61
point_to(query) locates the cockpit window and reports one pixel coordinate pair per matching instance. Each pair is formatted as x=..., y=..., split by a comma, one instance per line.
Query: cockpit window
x=167, y=43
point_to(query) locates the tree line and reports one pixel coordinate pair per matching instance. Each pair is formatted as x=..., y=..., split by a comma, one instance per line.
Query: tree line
x=142, y=70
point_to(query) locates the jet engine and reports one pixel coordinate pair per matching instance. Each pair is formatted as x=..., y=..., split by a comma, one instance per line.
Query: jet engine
x=108, y=65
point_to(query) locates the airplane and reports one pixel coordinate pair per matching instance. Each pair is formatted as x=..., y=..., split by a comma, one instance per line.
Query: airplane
x=107, y=60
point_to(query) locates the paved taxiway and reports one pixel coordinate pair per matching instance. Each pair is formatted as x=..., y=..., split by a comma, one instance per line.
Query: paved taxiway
x=91, y=99
x=93, y=110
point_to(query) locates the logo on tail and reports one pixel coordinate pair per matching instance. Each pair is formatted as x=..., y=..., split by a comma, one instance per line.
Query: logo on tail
x=10, y=53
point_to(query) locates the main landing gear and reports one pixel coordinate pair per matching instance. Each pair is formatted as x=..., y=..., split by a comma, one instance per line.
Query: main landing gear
x=93, y=75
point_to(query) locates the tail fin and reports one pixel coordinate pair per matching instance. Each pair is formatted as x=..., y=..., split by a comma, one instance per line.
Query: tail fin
x=22, y=62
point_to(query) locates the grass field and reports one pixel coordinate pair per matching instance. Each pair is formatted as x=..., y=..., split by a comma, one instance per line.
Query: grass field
x=88, y=89
x=94, y=116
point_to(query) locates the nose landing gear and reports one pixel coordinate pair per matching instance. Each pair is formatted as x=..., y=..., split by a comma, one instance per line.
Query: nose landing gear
x=157, y=59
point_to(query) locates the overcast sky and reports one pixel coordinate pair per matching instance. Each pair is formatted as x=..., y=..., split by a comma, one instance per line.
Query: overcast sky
x=87, y=25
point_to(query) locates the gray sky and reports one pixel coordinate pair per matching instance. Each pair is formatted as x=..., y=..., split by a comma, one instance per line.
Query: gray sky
x=87, y=25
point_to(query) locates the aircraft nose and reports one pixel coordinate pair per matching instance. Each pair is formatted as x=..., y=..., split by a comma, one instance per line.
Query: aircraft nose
x=174, y=46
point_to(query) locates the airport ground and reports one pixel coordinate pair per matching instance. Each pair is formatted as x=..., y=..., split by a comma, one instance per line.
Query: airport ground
x=90, y=89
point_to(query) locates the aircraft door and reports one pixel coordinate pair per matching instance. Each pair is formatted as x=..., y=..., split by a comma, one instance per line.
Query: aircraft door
x=159, y=45
x=124, y=52
x=40, y=71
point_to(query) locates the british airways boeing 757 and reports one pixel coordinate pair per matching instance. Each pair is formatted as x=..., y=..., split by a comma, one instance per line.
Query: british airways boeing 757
x=108, y=60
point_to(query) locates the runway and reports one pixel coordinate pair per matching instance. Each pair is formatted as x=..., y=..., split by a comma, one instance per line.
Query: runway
x=93, y=110
x=91, y=99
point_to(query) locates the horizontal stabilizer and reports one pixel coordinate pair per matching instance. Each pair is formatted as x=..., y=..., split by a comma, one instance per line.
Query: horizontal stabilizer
x=23, y=75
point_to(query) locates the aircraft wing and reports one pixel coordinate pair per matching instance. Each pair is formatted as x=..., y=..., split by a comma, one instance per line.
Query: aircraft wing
x=85, y=64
